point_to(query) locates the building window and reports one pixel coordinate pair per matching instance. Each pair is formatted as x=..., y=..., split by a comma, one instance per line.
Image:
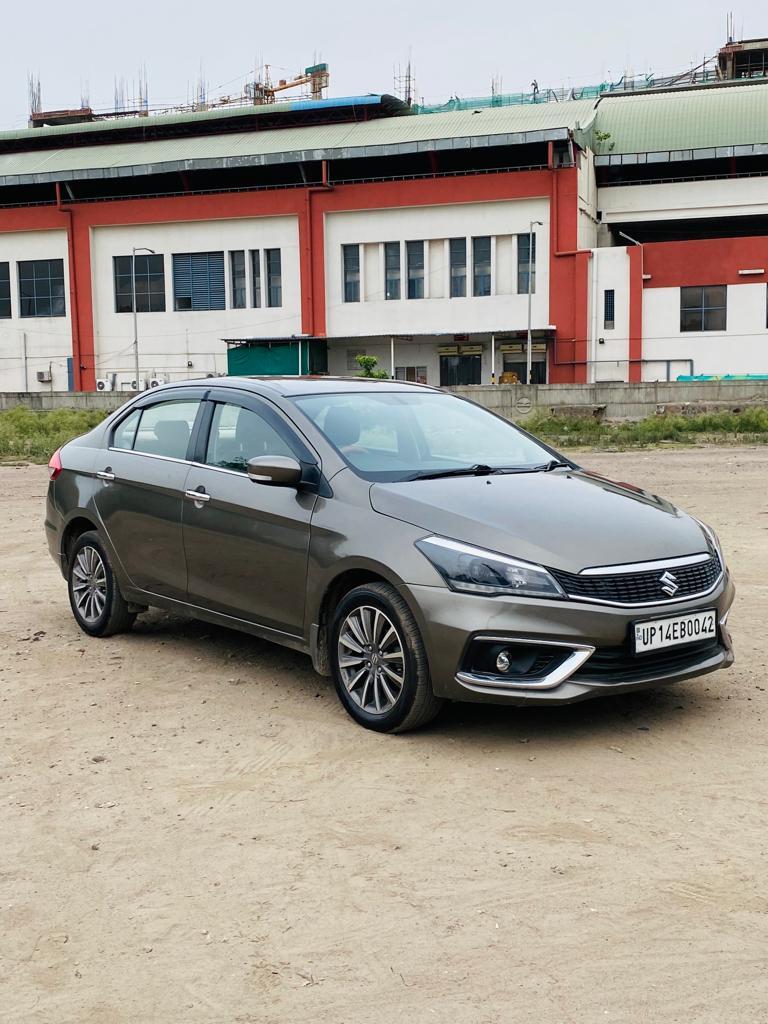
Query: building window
x=198, y=281
x=609, y=309
x=256, y=278
x=703, y=309
x=391, y=270
x=414, y=252
x=237, y=276
x=416, y=374
x=458, y=260
x=150, y=283
x=459, y=369
x=274, y=277
x=351, y=259
x=41, y=288
x=5, y=291
x=481, y=266
x=526, y=263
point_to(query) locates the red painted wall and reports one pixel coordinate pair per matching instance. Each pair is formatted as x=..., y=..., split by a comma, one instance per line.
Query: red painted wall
x=568, y=272
x=705, y=261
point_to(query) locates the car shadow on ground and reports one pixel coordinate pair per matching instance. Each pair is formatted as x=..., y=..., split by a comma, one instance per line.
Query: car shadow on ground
x=233, y=652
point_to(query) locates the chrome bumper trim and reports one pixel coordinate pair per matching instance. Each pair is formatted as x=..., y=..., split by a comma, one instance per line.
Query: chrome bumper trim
x=487, y=683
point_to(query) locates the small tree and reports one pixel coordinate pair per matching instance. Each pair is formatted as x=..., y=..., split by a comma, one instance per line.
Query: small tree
x=367, y=366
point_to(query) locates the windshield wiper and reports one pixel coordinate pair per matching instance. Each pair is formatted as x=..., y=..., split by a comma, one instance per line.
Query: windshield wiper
x=480, y=469
x=552, y=464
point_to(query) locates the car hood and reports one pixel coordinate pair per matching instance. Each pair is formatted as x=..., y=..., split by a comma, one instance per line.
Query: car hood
x=567, y=520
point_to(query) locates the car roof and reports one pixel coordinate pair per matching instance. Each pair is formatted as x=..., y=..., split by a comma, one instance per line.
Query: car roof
x=293, y=386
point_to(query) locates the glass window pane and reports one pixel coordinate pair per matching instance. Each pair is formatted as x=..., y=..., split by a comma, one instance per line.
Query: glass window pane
x=714, y=295
x=239, y=435
x=414, y=252
x=391, y=270
x=5, y=290
x=714, y=320
x=165, y=429
x=41, y=288
x=690, y=319
x=237, y=273
x=351, y=262
x=458, y=262
x=526, y=260
x=256, y=278
x=274, y=277
x=691, y=298
x=481, y=266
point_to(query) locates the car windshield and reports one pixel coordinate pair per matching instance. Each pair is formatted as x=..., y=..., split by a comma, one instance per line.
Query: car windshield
x=397, y=435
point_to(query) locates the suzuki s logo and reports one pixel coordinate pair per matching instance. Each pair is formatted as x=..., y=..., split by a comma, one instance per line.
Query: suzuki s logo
x=669, y=584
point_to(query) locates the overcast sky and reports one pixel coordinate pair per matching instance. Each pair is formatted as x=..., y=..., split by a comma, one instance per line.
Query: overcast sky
x=456, y=48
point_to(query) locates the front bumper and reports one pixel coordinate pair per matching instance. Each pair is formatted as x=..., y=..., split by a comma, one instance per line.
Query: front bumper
x=449, y=622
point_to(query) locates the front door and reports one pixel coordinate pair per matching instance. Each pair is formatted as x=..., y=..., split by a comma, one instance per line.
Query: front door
x=140, y=495
x=459, y=369
x=246, y=543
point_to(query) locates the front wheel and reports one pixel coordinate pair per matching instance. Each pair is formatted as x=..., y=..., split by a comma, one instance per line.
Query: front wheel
x=378, y=661
x=97, y=604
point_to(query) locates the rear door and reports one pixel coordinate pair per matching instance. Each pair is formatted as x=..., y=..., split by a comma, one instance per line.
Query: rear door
x=246, y=543
x=140, y=497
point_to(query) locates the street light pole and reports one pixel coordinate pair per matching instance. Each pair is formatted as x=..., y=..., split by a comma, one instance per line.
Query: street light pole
x=528, y=351
x=151, y=252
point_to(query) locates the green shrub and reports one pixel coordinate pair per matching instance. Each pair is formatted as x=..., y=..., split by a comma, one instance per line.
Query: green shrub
x=26, y=434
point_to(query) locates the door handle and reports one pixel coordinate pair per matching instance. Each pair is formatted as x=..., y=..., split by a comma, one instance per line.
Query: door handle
x=105, y=474
x=200, y=496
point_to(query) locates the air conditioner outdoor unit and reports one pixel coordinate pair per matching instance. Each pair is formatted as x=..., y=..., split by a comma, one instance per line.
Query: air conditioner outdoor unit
x=129, y=384
x=155, y=382
x=104, y=384
x=44, y=377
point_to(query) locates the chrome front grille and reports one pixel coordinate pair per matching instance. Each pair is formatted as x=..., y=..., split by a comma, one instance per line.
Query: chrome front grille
x=666, y=582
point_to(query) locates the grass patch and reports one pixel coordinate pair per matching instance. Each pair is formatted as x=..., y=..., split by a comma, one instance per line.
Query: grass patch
x=749, y=426
x=35, y=436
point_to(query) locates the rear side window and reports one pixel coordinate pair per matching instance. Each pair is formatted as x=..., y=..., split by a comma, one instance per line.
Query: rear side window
x=162, y=429
x=239, y=435
x=126, y=431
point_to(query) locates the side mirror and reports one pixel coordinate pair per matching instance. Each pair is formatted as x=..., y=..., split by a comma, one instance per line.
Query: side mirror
x=276, y=470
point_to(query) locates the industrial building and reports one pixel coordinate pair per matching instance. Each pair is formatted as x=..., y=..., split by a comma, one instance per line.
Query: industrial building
x=264, y=238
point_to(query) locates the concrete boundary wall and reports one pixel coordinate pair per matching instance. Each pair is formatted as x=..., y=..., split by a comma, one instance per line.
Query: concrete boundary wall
x=614, y=401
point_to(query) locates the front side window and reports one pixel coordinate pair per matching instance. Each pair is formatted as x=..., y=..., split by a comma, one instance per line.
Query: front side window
x=481, y=266
x=458, y=261
x=391, y=270
x=237, y=275
x=198, y=281
x=703, y=309
x=239, y=435
x=414, y=252
x=526, y=263
x=41, y=288
x=5, y=291
x=400, y=436
x=351, y=267
x=150, y=283
x=274, y=277
x=164, y=429
x=609, y=309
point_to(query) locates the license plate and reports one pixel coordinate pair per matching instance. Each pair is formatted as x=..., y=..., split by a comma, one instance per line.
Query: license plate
x=655, y=634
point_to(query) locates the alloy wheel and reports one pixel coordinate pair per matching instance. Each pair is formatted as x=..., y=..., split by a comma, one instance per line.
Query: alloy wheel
x=371, y=659
x=89, y=584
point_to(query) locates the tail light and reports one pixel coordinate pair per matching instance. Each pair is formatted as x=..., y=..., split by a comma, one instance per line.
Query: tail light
x=55, y=466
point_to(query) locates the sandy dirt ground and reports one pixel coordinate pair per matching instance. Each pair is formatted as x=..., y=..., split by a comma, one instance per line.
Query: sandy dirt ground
x=192, y=830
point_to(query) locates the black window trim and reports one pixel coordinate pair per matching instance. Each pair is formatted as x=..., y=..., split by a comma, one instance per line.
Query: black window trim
x=309, y=459
x=160, y=398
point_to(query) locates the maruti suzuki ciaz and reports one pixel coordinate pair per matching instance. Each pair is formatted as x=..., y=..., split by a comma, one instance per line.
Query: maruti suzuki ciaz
x=418, y=547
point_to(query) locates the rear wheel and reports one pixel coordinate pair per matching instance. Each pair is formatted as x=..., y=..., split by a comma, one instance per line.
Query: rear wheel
x=378, y=661
x=97, y=604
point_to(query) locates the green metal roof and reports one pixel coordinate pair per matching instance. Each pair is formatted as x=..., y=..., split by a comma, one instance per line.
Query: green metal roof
x=379, y=137
x=681, y=123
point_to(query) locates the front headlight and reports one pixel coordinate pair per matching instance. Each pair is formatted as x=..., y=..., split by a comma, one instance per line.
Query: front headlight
x=713, y=541
x=476, y=571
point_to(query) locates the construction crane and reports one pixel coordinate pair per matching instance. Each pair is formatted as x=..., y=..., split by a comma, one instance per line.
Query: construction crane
x=264, y=90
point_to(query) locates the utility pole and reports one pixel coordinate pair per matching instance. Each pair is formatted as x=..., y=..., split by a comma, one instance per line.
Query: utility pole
x=151, y=252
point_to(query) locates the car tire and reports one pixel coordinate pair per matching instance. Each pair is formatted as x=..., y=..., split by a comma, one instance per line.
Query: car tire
x=377, y=654
x=97, y=604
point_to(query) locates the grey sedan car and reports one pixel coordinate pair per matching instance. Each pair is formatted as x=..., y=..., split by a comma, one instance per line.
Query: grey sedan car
x=416, y=546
